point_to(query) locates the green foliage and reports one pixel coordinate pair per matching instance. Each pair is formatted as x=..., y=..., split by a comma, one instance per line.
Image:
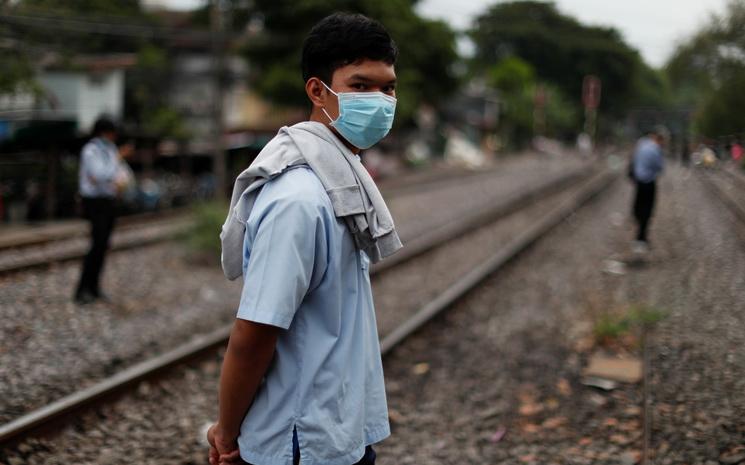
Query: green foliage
x=691, y=68
x=562, y=118
x=18, y=73
x=425, y=65
x=203, y=240
x=610, y=327
x=145, y=84
x=70, y=39
x=164, y=121
x=101, y=7
x=148, y=102
x=644, y=315
x=652, y=88
x=721, y=112
x=706, y=72
x=511, y=74
x=613, y=326
x=515, y=79
x=562, y=51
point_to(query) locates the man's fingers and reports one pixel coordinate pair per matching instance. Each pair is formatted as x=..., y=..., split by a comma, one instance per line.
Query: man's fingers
x=214, y=456
x=231, y=458
x=232, y=455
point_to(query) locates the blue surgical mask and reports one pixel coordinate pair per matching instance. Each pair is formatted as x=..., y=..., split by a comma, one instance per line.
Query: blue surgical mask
x=364, y=117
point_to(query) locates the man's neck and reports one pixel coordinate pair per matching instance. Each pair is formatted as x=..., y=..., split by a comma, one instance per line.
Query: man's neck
x=319, y=117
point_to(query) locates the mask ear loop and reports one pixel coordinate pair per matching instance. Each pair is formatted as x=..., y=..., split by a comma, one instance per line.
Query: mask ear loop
x=337, y=98
x=327, y=115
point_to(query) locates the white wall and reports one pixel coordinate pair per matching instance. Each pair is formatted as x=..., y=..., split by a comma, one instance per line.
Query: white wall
x=84, y=96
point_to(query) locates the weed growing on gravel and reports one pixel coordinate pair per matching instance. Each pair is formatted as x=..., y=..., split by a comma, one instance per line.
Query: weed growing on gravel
x=609, y=328
x=612, y=328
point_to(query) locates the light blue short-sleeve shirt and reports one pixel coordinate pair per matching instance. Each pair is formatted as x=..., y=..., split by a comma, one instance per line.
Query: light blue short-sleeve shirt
x=302, y=272
x=99, y=166
x=648, y=160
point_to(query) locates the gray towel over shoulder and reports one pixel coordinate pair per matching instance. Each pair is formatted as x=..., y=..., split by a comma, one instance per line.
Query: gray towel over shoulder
x=354, y=195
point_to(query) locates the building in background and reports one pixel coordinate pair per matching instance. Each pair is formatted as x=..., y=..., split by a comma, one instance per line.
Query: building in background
x=86, y=88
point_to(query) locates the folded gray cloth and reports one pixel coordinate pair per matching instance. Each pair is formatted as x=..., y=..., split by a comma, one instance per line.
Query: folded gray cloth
x=353, y=193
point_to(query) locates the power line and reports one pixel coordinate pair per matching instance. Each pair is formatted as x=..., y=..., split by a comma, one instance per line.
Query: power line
x=104, y=28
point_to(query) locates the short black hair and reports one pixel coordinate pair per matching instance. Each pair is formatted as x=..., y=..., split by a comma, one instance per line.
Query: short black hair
x=103, y=124
x=341, y=39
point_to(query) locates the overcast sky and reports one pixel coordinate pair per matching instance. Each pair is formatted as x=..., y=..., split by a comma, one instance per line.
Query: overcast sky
x=652, y=26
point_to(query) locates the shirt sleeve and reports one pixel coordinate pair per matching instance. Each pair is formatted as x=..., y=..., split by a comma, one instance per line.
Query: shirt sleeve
x=281, y=245
x=96, y=165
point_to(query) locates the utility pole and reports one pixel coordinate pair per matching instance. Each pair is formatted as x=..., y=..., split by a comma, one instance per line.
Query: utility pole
x=591, y=99
x=217, y=29
x=540, y=98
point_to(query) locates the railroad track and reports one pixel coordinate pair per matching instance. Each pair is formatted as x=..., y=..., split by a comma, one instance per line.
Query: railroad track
x=65, y=230
x=77, y=228
x=70, y=242
x=729, y=190
x=66, y=242
x=736, y=175
x=437, y=179
x=583, y=188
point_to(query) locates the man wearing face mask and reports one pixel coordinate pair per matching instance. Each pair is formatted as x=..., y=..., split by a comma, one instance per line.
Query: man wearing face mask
x=302, y=377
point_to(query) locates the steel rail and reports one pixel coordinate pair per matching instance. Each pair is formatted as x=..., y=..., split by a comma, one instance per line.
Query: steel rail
x=25, y=260
x=18, y=428
x=406, y=184
x=181, y=223
x=503, y=256
x=733, y=174
x=737, y=208
x=425, y=182
x=33, y=237
x=511, y=204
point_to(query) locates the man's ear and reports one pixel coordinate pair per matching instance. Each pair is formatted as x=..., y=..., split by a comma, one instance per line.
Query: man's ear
x=316, y=92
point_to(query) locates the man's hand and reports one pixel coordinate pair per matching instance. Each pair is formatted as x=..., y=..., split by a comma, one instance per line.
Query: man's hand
x=223, y=451
x=126, y=150
x=249, y=354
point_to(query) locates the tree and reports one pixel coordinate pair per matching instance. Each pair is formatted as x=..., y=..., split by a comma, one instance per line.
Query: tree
x=69, y=28
x=706, y=72
x=562, y=51
x=425, y=66
x=511, y=75
x=147, y=101
x=721, y=112
x=65, y=27
x=529, y=107
x=18, y=73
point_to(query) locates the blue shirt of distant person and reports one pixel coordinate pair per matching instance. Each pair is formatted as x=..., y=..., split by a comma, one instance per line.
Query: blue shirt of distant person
x=99, y=168
x=648, y=159
x=302, y=378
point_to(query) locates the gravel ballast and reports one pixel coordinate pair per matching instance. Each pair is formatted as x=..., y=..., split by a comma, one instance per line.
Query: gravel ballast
x=516, y=348
x=49, y=346
x=497, y=378
x=159, y=404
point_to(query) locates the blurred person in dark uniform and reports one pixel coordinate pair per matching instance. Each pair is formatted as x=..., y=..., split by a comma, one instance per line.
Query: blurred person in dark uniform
x=101, y=178
x=647, y=164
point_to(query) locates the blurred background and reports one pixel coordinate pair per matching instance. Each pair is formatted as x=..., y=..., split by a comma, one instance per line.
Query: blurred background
x=514, y=121
x=200, y=86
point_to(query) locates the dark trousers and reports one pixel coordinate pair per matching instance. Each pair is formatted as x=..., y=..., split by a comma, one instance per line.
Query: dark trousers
x=643, y=207
x=367, y=459
x=101, y=213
